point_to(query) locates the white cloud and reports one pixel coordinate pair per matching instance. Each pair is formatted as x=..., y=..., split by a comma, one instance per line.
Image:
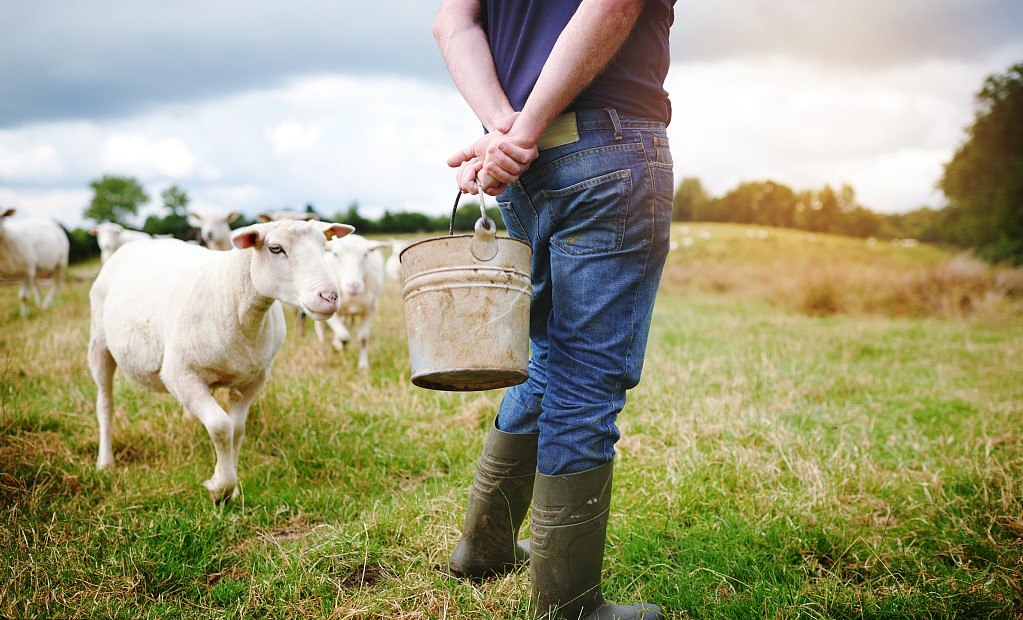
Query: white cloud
x=30, y=163
x=290, y=138
x=138, y=154
x=65, y=206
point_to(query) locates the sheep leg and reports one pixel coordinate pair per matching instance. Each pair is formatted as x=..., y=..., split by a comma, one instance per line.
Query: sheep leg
x=239, y=412
x=321, y=331
x=196, y=398
x=58, y=279
x=363, y=339
x=23, y=298
x=102, y=365
x=341, y=335
x=337, y=325
x=33, y=285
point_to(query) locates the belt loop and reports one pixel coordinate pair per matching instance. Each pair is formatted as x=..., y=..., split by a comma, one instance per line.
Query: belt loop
x=613, y=113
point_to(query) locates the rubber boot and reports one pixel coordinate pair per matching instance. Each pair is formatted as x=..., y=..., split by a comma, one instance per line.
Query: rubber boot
x=498, y=501
x=568, y=528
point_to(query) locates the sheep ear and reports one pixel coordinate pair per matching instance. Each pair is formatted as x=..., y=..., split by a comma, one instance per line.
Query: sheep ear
x=336, y=231
x=246, y=237
x=263, y=217
x=8, y=213
x=93, y=232
x=232, y=216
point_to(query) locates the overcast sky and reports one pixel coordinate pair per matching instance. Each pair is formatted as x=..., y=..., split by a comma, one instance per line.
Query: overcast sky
x=258, y=105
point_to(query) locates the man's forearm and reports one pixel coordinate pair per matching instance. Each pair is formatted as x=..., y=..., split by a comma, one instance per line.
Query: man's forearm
x=466, y=51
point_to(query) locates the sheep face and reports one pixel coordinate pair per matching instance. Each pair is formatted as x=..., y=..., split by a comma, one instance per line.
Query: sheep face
x=108, y=236
x=350, y=259
x=215, y=228
x=289, y=263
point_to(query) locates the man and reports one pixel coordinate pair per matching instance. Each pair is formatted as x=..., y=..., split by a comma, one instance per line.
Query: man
x=571, y=95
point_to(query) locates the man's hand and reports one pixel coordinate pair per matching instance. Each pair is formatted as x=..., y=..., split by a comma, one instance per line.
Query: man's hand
x=496, y=159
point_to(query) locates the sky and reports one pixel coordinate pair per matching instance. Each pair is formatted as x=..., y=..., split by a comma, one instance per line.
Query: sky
x=258, y=106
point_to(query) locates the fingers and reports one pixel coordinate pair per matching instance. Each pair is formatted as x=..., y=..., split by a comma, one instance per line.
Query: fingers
x=466, y=176
x=459, y=158
x=492, y=187
x=506, y=161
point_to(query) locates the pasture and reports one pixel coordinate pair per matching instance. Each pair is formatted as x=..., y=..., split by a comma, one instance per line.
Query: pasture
x=826, y=428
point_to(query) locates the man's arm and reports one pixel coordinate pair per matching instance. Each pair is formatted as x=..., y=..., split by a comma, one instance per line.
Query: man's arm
x=466, y=52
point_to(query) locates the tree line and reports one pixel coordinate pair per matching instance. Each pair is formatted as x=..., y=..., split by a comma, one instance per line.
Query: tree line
x=825, y=210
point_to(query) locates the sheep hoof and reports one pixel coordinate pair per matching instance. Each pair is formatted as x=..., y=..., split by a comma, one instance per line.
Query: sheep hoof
x=220, y=493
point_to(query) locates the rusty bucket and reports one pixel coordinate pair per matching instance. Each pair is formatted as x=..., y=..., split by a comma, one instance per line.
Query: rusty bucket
x=467, y=309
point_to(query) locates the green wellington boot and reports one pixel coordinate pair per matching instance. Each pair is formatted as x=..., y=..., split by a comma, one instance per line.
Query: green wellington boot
x=568, y=529
x=498, y=501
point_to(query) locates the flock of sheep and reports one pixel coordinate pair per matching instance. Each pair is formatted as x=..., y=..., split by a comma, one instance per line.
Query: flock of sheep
x=185, y=319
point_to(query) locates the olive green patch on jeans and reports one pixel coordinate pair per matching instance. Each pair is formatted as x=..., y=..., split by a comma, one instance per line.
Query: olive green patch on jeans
x=561, y=132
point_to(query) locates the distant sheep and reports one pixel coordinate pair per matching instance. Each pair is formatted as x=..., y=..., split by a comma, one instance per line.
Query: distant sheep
x=392, y=267
x=183, y=319
x=214, y=228
x=277, y=216
x=112, y=236
x=358, y=266
x=31, y=247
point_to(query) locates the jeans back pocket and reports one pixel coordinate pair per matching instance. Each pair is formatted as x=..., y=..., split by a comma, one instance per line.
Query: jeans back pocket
x=589, y=217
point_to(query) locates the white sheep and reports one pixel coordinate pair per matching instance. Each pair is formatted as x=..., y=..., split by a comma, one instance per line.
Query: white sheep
x=111, y=236
x=392, y=267
x=29, y=248
x=214, y=228
x=358, y=266
x=277, y=216
x=186, y=320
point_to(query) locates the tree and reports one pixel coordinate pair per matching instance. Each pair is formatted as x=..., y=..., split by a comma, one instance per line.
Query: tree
x=175, y=200
x=352, y=217
x=114, y=199
x=175, y=223
x=766, y=203
x=984, y=180
x=311, y=210
x=922, y=224
x=689, y=200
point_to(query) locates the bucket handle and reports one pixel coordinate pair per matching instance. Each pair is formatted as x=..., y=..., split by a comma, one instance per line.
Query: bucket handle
x=484, y=222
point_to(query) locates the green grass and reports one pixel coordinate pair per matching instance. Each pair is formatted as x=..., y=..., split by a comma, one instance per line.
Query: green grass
x=777, y=461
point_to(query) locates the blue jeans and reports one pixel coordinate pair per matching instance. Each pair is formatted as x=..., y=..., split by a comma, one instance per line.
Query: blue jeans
x=597, y=213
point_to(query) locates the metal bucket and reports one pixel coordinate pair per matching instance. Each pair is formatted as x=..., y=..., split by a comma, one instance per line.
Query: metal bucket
x=467, y=309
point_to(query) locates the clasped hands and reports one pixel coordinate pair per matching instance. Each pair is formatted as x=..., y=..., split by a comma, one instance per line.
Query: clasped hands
x=496, y=159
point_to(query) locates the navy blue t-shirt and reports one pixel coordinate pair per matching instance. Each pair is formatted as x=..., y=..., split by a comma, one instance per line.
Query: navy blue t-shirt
x=522, y=34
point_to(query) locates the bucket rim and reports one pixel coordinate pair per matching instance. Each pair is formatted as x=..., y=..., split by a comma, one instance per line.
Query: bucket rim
x=462, y=236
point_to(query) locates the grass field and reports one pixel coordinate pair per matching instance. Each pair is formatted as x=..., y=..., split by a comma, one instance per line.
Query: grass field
x=826, y=428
